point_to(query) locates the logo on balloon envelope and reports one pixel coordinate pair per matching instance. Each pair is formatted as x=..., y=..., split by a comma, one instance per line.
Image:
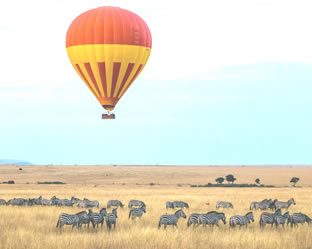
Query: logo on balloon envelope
x=108, y=47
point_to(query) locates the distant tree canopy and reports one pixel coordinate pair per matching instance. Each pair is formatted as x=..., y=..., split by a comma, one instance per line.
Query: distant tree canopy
x=257, y=181
x=220, y=180
x=294, y=180
x=230, y=178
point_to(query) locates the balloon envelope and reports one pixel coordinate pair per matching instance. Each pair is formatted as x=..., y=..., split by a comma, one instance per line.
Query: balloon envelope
x=108, y=47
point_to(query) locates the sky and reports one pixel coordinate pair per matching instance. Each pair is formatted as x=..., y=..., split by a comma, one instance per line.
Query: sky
x=227, y=83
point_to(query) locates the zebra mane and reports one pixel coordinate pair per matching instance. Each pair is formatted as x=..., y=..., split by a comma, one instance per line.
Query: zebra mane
x=82, y=212
x=180, y=210
x=278, y=211
x=212, y=212
x=248, y=213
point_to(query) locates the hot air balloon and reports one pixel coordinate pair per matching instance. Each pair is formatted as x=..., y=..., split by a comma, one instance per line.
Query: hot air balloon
x=108, y=47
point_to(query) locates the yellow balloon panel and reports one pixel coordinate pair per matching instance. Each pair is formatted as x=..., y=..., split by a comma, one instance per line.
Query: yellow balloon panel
x=108, y=69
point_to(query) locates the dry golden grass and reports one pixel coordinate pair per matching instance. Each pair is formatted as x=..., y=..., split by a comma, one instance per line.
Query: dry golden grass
x=34, y=227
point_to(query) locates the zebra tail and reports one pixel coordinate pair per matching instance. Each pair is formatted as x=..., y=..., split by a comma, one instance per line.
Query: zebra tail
x=58, y=222
x=109, y=225
x=189, y=221
x=159, y=225
x=231, y=223
x=130, y=214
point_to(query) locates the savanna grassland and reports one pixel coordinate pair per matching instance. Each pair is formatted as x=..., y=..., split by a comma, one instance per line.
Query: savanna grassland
x=35, y=226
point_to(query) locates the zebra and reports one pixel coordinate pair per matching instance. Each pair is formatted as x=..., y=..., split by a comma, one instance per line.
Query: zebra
x=89, y=203
x=3, y=202
x=137, y=212
x=224, y=204
x=180, y=204
x=68, y=219
x=135, y=203
x=171, y=219
x=212, y=218
x=111, y=219
x=195, y=217
x=241, y=220
x=84, y=218
x=281, y=204
x=268, y=218
x=114, y=203
x=281, y=219
x=98, y=218
x=297, y=218
x=254, y=205
x=169, y=204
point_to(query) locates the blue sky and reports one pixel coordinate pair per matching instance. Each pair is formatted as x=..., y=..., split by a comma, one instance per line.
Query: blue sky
x=226, y=83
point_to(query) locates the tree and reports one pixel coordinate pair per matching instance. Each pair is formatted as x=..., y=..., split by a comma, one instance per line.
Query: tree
x=257, y=181
x=220, y=180
x=230, y=178
x=294, y=180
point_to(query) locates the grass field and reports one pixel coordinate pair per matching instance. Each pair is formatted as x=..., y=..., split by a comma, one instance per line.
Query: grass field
x=34, y=227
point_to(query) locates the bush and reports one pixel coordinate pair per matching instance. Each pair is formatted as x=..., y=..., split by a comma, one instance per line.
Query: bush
x=9, y=182
x=233, y=186
x=56, y=182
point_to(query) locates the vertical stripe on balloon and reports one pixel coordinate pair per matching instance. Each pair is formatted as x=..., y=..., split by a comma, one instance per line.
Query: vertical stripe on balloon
x=116, y=69
x=91, y=75
x=85, y=79
x=102, y=71
x=125, y=78
x=133, y=78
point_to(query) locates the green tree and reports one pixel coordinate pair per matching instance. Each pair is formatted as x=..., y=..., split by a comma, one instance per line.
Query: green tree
x=257, y=181
x=230, y=178
x=220, y=180
x=294, y=180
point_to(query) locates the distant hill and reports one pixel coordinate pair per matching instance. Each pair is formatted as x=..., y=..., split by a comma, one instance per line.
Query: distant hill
x=15, y=162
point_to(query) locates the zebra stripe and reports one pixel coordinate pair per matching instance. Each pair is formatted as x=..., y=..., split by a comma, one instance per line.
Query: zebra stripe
x=135, y=203
x=171, y=219
x=281, y=204
x=268, y=218
x=137, y=212
x=241, y=220
x=114, y=203
x=299, y=218
x=281, y=219
x=111, y=219
x=169, y=204
x=224, y=204
x=212, y=218
x=180, y=204
x=68, y=219
x=98, y=218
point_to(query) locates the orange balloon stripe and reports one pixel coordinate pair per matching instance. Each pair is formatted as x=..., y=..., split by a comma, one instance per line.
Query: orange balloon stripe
x=91, y=75
x=85, y=79
x=116, y=69
x=126, y=76
x=131, y=81
x=102, y=70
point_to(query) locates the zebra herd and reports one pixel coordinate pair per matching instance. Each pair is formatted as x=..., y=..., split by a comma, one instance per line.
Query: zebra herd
x=54, y=201
x=138, y=208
